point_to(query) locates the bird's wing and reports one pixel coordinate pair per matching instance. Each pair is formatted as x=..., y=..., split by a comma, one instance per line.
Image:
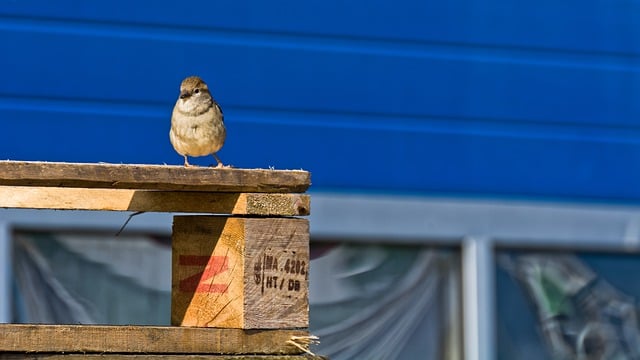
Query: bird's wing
x=219, y=109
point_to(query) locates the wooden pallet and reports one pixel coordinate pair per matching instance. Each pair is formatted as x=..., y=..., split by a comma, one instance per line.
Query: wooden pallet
x=240, y=267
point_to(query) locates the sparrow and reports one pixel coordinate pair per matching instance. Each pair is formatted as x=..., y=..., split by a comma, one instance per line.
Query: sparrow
x=197, y=122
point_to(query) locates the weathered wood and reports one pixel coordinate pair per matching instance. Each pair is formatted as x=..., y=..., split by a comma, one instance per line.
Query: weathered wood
x=37, y=197
x=152, y=177
x=144, y=340
x=49, y=356
x=240, y=272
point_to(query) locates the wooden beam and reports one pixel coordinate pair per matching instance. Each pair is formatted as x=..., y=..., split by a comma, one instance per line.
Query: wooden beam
x=37, y=197
x=234, y=272
x=144, y=339
x=152, y=177
x=49, y=356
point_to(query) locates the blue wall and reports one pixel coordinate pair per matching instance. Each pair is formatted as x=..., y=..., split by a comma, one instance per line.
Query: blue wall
x=481, y=98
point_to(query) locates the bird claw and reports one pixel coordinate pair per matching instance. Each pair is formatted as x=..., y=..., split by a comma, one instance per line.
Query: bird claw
x=222, y=166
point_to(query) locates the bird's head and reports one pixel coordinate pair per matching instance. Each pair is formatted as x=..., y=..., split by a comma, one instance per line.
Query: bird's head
x=193, y=86
x=194, y=96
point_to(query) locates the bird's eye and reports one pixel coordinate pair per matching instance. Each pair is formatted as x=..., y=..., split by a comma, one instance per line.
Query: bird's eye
x=196, y=91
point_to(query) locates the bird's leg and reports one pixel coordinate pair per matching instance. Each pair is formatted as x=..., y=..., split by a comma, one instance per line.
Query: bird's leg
x=186, y=162
x=220, y=165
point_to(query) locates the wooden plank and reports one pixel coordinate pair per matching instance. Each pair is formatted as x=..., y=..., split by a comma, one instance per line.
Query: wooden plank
x=144, y=339
x=37, y=197
x=152, y=177
x=240, y=272
x=114, y=356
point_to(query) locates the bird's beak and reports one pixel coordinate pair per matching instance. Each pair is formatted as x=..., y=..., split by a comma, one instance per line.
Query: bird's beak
x=184, y=94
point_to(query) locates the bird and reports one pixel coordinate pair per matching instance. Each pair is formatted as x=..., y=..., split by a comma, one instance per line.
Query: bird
x=197, y=122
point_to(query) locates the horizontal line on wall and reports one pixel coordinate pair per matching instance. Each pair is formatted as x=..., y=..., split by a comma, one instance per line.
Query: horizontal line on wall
x=83, y=106
x=517, y=128
x=492, y=53
x=442, y=124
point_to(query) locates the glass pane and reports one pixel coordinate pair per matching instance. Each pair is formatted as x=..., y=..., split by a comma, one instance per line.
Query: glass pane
x=554, y=305
x=386, y=302
x=89, y=278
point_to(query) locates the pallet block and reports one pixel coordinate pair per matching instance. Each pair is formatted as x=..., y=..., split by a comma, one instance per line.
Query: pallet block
x=233, y=272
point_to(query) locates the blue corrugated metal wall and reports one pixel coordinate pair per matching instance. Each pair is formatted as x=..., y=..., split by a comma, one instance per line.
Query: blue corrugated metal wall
x=485, y=97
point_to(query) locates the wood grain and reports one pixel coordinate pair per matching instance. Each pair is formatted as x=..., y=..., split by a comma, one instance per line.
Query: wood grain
x=276, y=273
x=144, y=339
x=152, y=177
x=249, y=273
x=38, y=197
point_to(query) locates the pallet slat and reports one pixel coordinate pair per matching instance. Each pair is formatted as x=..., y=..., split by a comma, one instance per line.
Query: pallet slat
x=144, y=340
x=38, y=197
x=49, y=356
x=152, y=177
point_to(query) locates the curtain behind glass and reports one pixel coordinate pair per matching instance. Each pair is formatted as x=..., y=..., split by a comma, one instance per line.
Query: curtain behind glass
x=91, y=279
x=386, y=302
